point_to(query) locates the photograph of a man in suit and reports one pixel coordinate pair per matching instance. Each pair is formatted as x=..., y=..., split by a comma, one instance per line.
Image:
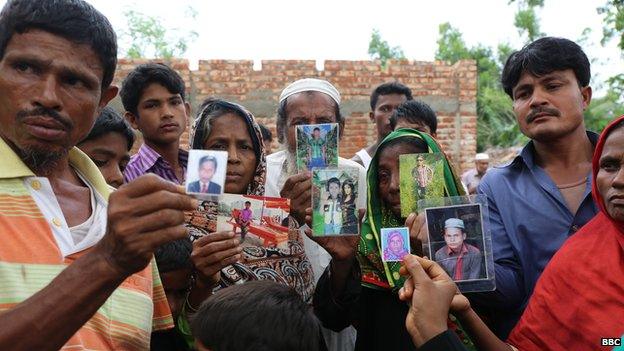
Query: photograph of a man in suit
x=207, y=169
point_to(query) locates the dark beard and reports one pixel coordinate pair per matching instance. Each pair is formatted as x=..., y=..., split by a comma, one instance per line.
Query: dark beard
x=41, y=162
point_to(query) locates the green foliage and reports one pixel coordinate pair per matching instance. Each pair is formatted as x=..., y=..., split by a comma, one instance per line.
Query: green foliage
x=526, y=20
x=150, y=39
x=613, y=22
x=379, y=49
x=496, y=124
x=603, y=110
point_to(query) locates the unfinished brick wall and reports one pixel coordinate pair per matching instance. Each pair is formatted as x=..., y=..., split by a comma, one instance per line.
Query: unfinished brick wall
x=450, y=90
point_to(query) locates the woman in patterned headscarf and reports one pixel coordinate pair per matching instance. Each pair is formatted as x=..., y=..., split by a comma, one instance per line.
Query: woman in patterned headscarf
x=221, y=125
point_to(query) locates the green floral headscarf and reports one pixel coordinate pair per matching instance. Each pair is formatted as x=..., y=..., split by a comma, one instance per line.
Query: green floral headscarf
x=376, y=273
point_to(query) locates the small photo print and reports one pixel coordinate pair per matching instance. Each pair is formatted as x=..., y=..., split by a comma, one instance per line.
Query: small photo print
x=421, y=176
x=395, y=244
x=456, y=241
x=334, y=199
x=317, y=146
x=205, y=172
x=255, y=220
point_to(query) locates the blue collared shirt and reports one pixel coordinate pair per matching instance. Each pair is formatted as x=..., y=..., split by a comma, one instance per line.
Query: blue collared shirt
x=529, y=221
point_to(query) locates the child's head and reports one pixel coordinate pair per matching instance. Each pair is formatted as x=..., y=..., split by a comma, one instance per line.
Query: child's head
x=416, y=115
x=175, y=267
x=153, y=96
x=259, y=316
x=108, y=145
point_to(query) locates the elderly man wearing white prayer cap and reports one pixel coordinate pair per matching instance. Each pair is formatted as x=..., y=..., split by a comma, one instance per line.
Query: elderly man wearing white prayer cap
x=311, y=101
x=472, y=178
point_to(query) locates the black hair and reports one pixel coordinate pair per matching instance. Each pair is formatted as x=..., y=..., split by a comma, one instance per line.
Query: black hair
x=142, y=76
x=212, y=108
x=109, y=121
x=350, y=183
x=316, y=128
x=415, y=111
x=543, y=56
x=174, y=255
x=282, y=118
x=387, y=89
x=418, y=145
x=208, y=158
x=259, y=315
x=267, y=136
x=74, y=20
x=247, y=202
x=332, y=180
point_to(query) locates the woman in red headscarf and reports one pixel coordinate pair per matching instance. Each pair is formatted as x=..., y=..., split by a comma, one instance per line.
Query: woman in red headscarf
x=579, y=298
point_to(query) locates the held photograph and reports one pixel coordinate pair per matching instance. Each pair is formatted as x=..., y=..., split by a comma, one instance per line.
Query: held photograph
x=334, y=199
x=205, y=173
x=421, y=176
x=456, y=241
x=317, y=146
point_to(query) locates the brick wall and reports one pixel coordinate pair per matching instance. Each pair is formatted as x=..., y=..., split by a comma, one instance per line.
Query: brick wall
x=449, y=89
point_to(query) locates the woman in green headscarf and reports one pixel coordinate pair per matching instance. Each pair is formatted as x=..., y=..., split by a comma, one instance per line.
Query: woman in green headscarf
x=366, y=296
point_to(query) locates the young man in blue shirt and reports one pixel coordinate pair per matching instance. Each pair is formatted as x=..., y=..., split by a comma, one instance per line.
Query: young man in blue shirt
x=544, y=195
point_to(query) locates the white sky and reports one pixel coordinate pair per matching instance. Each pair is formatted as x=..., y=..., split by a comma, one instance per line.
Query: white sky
x=341, y=29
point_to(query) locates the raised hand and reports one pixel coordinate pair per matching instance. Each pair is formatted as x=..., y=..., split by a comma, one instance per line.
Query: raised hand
x=298, y=189
x=142, y=215
x=213, y=252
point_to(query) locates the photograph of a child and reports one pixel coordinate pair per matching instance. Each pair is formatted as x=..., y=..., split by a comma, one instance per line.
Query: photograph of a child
x=317, y=146
x=456, y=239
x=421, y=176
x=205, y=173
x=395, y=244
x=255, y=220
x=334, y=201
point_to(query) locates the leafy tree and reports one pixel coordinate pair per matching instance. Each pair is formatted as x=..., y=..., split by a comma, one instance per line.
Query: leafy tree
x=603, y=110
x=150, y=39
x=613, y=22
x=496, y=124
x=379, y=49
x=526, y=20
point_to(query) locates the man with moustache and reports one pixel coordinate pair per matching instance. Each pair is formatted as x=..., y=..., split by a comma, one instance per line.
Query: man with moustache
x=76, y=261
x=544, y=195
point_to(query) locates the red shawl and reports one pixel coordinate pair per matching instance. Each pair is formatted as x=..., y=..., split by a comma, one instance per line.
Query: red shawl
x=579, y=297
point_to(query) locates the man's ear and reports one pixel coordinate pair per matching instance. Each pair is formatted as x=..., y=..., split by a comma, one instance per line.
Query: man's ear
x=107, y=95
x=371, y=116
x=132, y=119
x=187, y=107
x=587, y=95
x=341, y=126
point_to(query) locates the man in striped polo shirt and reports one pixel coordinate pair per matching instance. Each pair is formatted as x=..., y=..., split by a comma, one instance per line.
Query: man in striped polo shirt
x=75, y=263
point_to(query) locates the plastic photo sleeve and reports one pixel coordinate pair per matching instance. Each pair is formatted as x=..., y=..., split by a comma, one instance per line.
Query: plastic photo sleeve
x=459, y=240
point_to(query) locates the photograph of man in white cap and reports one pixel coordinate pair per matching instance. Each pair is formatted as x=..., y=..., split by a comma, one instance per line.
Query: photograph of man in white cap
x=459, y=259
x=471, y=178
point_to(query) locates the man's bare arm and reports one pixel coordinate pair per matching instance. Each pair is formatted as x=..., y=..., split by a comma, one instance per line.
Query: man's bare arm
x=142, y=215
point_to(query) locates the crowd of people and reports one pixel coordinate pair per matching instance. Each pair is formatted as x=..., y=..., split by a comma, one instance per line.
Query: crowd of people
x=96, y=252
